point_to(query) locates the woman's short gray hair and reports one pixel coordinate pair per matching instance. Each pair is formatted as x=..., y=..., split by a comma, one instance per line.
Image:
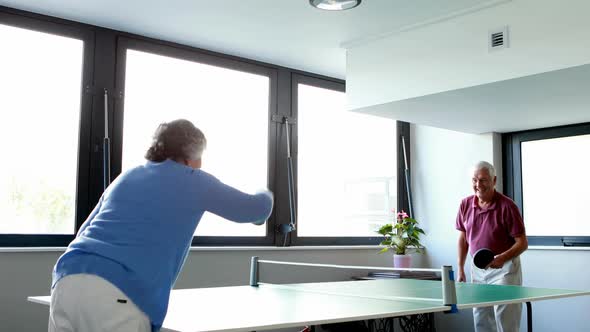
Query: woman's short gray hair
x=178, y=139
x=485, y=165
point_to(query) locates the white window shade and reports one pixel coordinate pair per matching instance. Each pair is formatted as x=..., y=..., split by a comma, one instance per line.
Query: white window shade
x=346, y=167
x=555, y=186
x=229, y=106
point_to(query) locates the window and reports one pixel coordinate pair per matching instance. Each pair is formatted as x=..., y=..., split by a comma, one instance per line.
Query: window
x=231, y=108
x=549, y=182
x=347, y=167
x=41, y=84
x=55, y=73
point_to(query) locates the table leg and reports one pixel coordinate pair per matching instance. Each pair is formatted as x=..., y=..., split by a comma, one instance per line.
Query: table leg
x=529, y=317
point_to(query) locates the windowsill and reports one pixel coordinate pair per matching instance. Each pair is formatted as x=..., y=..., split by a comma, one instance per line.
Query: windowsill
x=259, y=248
x=270, y=248
x=32, y=249
x=560, y=248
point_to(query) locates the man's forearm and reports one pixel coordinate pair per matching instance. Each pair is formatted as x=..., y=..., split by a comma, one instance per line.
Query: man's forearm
x=462, y=252
x=519, y=246
x=462, y=257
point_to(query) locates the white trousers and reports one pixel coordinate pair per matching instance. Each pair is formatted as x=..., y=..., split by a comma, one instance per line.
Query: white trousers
x=501, y=318
x=88, y=303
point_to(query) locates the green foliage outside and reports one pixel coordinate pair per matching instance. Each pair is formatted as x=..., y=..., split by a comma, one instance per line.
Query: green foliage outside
x=38, y=207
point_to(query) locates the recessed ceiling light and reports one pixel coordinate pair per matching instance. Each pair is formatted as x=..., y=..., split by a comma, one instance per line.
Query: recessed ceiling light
x=335, y=4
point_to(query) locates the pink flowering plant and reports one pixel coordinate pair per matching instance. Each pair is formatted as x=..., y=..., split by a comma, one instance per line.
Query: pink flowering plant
x=401, y=234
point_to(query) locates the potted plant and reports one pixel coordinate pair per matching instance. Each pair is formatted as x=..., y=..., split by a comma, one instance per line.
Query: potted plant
x=399, y=235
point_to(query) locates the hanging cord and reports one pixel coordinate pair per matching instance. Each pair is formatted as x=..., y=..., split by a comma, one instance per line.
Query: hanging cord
x=407, y=173
x=286, y=229
x=106, y=144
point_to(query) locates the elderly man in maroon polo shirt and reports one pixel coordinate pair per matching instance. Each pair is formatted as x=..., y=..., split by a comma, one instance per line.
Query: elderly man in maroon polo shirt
x=491, y=220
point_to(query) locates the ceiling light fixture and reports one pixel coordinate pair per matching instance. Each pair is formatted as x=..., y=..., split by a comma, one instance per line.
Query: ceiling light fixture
x=335, y=4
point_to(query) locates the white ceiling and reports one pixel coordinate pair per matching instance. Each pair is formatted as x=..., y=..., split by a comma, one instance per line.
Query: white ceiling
x=293, y=34
x=289, y=33
x=444, y=74
x=549, y=99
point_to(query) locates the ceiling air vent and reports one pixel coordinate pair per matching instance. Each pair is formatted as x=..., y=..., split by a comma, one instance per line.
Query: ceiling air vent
x=498, y=39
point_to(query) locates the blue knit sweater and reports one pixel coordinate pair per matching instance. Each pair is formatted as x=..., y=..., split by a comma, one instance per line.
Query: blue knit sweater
x=139, y=234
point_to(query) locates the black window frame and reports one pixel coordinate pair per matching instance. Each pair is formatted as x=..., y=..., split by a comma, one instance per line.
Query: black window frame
x=176, y=51
x=104, y=68
x=402, y=128
x=512, y=165
x=43, y=24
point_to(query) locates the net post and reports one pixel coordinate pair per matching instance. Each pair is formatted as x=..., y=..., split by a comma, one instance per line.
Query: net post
x=448, y=288
x=254, y=271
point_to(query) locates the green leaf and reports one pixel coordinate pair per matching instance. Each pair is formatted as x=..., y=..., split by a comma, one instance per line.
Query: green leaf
x=385, y=243
x=385, y=229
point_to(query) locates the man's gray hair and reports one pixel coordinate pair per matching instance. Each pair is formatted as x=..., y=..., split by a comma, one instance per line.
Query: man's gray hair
x=178, y=139
x=485, y=165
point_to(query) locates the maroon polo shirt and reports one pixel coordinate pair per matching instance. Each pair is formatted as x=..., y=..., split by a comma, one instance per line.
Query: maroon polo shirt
x=494, y=227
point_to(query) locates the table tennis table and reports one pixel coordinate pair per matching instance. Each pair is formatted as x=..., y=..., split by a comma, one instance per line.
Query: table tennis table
x=274, y=306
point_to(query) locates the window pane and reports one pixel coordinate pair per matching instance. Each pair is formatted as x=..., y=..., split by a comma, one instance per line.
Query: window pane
x=40, y=80
x=346, y=167
x=555, y=186
x=229, y=106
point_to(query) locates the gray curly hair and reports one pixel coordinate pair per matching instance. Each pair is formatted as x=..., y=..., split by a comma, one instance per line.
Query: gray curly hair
x=178, y=139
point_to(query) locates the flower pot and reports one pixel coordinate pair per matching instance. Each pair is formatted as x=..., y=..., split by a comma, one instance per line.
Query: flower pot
x=402, y=261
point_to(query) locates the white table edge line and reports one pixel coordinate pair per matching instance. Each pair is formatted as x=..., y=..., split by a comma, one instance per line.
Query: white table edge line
x=45, y=299
x=352, y=267
x=520, y=300
x=375, y=297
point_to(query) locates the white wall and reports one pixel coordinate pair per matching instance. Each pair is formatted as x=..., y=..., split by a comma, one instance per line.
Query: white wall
x=441, y=160
x=544, y=35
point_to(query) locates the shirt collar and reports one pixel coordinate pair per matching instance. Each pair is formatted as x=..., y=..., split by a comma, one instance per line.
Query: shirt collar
x=490, y=207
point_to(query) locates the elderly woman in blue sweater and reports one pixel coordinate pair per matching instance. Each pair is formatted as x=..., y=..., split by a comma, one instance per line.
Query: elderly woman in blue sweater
x=117, y=273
